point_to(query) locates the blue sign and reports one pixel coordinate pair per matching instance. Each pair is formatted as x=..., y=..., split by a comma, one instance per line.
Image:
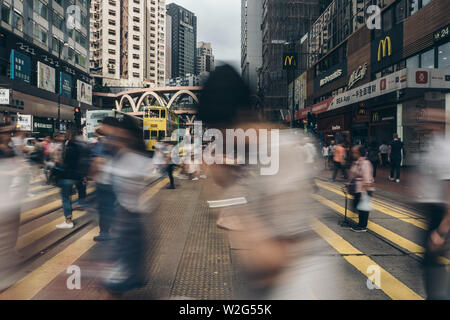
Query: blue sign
x=65, y=84
x=20, y=66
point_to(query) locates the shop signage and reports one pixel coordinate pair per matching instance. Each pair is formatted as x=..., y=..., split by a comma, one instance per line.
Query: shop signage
x=357, y=75
x=289, y=61
x=4, y=96
x=337, y=74
x=65, y=87
x=336, y=128
x=25, y=122
x=442, y=34
x=46, y=77
x=386, y=48
x=20, y=66
x=43, y=126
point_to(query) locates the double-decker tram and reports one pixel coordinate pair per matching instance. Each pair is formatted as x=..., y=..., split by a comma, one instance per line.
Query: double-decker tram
x=158, y=123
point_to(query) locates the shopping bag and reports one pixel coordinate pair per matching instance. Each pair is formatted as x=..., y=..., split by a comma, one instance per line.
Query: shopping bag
x=364, y=203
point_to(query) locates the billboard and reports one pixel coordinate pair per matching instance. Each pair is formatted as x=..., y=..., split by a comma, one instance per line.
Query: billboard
x=84, y=92
x=4, y=96
x=25, y=122
x=65, y=84
x=300, y=91
x=20, y=67
x=46, y=77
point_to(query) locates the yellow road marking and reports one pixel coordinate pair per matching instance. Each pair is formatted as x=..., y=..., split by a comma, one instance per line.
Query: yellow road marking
x=401, y=216
x=40, y=196
x=51, y=206
x=385, y=233
x=39, y=188
x=34, y=282
x=390, y=285
x=42, y=231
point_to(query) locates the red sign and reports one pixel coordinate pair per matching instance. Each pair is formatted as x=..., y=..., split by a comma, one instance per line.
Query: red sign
x=421, y=77
x=383, y=84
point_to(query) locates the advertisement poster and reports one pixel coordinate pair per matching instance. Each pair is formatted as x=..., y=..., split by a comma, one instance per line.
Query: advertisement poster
x=84, y=92
x=25, y=122
x=46, y=77
x=4, y=96
x=20, y=67
x=300, y=91
x=65, y=81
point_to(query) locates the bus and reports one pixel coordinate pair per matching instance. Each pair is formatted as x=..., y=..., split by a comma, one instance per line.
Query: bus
x=158, y=123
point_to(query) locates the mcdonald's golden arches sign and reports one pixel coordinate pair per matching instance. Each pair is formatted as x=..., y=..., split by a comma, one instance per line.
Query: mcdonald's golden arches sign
x=289, y=61
x=384, y=48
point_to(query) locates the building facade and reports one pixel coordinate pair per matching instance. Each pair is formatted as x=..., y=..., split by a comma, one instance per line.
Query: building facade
x=205, y=58
x=388, y=81
x=284, y=22
x=44, y=60
x=184, y=40
x=251, y=41
x=128, y=43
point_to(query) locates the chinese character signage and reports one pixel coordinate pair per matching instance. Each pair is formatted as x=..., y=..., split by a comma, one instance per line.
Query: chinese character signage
x=24, y=122
x=20, y=66
x=65, y=84
x=46, y=77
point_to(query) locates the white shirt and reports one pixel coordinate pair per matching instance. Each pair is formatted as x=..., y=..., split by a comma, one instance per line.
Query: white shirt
x=435, y=172
x=325, y=151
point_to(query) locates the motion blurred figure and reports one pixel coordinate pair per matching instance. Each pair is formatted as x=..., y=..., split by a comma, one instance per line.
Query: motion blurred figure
x=129, y=171
x=339, y=160
x=273, y=222
x=99, y=171
x=434, y=200
x=12, y=186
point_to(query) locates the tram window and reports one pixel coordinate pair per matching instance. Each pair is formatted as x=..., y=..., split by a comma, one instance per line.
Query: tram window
x=154, y=134
x=163, y=114
x=146, y=134
x=154, y=113
x=162, y=134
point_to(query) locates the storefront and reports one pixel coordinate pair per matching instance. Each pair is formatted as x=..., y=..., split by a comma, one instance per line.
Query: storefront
x=334, y=128
x=383, y=124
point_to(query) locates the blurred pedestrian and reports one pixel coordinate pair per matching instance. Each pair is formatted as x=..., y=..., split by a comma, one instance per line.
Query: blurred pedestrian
x=130, y=170
x=384, y=150
x=272, y=218
x=395, y=155
x=361, y=179
x=434, y=199
x=374, y=156
x=339, y=160
x=325, y=154
x=101, y=174
x=73, y=173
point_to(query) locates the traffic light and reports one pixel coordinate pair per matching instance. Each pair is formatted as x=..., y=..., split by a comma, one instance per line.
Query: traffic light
x=312, y=121
x=77, y=117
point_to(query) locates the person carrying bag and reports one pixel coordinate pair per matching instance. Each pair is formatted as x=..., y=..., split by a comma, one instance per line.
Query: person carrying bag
x=361, y=187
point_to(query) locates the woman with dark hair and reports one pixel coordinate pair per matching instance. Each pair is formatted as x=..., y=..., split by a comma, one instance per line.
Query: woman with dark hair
x=129, y=170
x=361, y=176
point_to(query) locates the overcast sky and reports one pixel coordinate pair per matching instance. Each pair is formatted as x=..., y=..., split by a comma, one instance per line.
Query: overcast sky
x=218, y=22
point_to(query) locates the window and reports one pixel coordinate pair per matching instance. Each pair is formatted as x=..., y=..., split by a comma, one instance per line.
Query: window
x=6, y=14
x=428, y=59
x=154, y=135
x=39, y=33
x=146, y=134
x=444, y=56
x=56, y=44
x=41, y=9
x=162, y=134
x=57, y=21
x=387, y=20
x=154, y=114
x=413, y=6
x=18, y=21
x=163, y=114
x=400, y=11
x=413, y=62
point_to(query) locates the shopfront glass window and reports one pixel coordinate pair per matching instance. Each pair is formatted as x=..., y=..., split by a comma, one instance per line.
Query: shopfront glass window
x=444, y=56
x=428, y=59
x=413, y=62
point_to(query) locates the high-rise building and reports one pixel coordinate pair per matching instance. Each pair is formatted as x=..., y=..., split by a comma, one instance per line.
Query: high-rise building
x=168, y=51
x=128, y=42
x=205, y=57
x=284, y=22
x=184, y=40
x=44, y=60
x=251, y=41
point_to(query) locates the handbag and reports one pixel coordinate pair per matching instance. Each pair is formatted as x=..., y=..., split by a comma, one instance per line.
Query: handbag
x=364, y=203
